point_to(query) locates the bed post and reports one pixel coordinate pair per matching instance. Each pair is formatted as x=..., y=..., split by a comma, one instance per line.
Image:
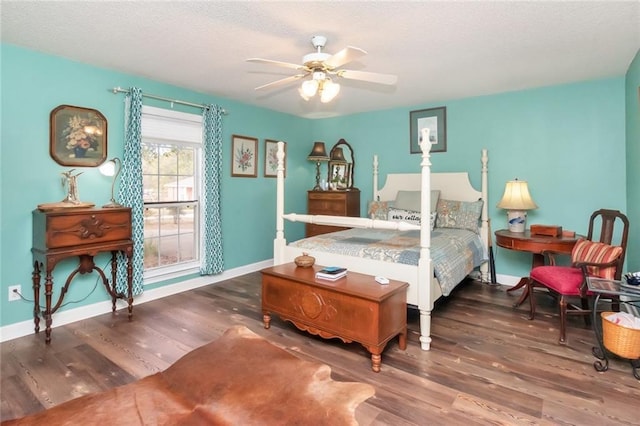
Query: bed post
x=484, y=226
x=425, y=267
x=279, y=242
x=375, y=178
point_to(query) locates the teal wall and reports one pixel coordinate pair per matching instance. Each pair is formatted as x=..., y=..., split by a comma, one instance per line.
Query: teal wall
x=33, y=84
x=568, y=141
x=632, y=93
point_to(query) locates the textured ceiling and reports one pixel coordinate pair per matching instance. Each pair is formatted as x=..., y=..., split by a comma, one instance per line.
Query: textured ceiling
x=439, y=50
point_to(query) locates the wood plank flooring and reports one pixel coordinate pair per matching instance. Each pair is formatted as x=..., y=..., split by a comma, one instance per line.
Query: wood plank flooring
x=488, y=363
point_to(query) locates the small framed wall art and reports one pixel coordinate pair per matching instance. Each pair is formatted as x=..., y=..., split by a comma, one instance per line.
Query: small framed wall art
x=436, y=120
x=271, y=158
x=244, y=156
x=77, y=136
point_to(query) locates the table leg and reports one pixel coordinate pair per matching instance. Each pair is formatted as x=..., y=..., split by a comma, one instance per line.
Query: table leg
x=537, y=260
x=36, y=295
x=266, y=318
x=48, y=291
x=599, y=351
x=522, y=283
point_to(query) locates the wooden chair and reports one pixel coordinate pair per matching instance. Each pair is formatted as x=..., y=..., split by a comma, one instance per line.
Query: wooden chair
x=597, y=256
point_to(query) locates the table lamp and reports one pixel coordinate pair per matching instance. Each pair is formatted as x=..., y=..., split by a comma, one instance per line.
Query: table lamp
x=517, y=200
x=112, y=168
x=318, y=154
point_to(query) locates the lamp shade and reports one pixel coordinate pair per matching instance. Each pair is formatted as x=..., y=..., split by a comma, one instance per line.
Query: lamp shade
x=318, y=153
x=337, y=155
x=516, y=196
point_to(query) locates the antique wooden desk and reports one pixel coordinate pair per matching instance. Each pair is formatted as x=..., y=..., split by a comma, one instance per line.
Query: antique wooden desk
x=534, y=244
x=82, y=232
x=353, y=308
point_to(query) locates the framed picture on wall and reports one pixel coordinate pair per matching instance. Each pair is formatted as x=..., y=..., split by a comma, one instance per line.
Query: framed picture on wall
x=436, y=120
x=271, y=158
x=77, y=136
x=244, y=156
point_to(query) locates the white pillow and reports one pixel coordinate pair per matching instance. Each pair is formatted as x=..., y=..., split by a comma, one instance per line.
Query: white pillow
x=410, y=200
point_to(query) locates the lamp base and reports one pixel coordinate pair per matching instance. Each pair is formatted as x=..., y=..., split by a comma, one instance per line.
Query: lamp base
x=112, y=205
x=517, y=220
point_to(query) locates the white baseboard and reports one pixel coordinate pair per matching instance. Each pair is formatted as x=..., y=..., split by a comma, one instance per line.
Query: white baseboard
x=24, y=328
x=508, y=280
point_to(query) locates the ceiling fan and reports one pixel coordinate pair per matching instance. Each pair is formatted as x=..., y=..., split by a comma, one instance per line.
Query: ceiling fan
x=321, y=67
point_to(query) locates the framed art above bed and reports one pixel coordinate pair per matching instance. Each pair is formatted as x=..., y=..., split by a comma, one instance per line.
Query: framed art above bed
x=435, y=119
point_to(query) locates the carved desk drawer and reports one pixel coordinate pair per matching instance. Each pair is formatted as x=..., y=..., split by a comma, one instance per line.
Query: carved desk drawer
x=72, y=227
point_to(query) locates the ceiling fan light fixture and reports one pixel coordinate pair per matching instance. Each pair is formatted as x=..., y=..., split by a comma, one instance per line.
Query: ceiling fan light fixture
x=329, y=91
x=302, y=95
x=309, y=88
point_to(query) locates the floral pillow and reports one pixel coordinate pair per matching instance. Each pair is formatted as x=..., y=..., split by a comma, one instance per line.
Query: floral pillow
x=379, y=209
x=459, y=214
x=410, y=216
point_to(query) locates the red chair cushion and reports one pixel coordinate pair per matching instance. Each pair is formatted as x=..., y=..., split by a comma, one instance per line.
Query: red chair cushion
x=589, y=251
x=562, y=279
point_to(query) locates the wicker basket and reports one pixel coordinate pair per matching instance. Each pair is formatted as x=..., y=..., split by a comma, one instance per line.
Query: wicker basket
x=622, y=341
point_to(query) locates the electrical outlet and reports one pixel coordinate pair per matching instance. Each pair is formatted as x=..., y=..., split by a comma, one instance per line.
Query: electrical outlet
x=14, y=292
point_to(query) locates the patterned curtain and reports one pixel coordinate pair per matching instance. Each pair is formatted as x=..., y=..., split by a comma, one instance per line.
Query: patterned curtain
x=130, y=193
x=212, y=261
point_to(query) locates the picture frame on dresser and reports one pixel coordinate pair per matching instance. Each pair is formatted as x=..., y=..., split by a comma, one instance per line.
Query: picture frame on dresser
x=244, y=156
x=77, y=136
x=436, y=120
x=271, y=159
x=339, y=176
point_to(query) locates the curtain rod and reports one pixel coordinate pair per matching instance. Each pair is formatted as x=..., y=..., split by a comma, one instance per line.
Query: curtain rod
x=119, y=89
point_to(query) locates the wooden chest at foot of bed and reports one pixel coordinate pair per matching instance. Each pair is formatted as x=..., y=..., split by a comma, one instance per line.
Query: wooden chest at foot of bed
x=354, y=308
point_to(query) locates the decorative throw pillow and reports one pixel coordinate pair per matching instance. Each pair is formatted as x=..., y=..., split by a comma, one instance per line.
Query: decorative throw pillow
x=379, y=209
x=401, y=215
x=415, y=218
x=589, y=251
x=410, y=200
x=459, y=214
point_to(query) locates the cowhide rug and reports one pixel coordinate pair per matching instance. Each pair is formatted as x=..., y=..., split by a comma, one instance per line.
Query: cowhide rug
x=238, y=379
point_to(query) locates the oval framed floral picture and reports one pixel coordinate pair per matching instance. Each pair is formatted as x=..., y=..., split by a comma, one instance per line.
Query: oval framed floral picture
x=244, y=156
x=77, y=136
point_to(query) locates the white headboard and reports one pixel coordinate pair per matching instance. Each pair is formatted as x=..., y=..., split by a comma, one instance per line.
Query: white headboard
x=452, y=186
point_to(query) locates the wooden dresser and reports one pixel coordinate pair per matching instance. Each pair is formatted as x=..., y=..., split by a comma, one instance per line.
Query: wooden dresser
x=334, y=203
x=83, y=232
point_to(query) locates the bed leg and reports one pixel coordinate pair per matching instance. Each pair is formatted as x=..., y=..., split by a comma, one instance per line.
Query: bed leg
x=425, y=329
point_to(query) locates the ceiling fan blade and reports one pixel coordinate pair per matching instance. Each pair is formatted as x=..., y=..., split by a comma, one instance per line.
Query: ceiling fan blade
x=277, y=63
x=369, y=76
x=281, y=82
x=344, y=56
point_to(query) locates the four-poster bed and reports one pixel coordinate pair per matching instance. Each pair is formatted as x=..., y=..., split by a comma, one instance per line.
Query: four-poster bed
x=424, y=288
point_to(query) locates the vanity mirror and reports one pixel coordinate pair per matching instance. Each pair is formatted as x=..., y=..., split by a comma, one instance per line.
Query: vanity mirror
x=341, y=166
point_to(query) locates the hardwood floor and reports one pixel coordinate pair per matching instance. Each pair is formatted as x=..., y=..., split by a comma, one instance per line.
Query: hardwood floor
x=488, y=363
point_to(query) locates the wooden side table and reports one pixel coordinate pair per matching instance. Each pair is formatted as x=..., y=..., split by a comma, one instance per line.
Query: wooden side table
x=83, y=233
x=534, y=244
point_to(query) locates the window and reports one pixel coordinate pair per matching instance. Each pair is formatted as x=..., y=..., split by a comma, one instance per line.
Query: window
x=171, y=158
